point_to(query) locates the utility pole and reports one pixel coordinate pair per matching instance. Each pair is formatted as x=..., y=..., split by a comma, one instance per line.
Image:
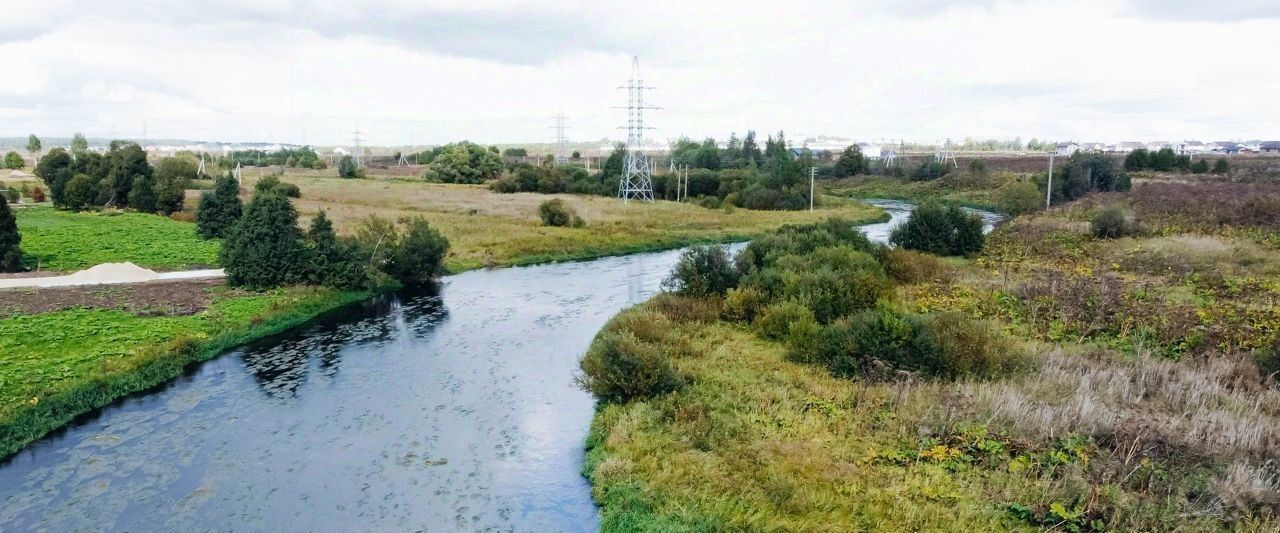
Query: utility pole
x=813, y=173
x=1048, y=188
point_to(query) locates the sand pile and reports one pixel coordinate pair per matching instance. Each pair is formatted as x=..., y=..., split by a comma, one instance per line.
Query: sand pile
x=111, y=273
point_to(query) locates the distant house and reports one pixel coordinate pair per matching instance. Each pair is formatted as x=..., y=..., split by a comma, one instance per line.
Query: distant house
x=1126, y=147
x=1093, y=147
x=871, y=151
x=1269, y=147
x=1156, y=146
x=1253, y=146
x=1190, y=148
x=1067, y=149
x=1224, y=147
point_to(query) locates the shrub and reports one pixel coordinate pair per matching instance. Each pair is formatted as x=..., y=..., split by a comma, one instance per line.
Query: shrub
x=929, y=169
x=13, y=160
x=878, y=334
x=418, y=257
x=1200, y=166
x=333, y=263
x=10, y=253
x=1221, y=167
x=264, y=249
x=37, y=195
x=776, y=320
x=940, y=230
x=1020, y=198
x=684, y=309
x=968, y=347
x=556, y=212
x=1111, y=222
x=619, y=368
x=219, y=209
x=910, y=266
x=743, y=304
x=272, y=183
x=702, y=271
x=347, y=168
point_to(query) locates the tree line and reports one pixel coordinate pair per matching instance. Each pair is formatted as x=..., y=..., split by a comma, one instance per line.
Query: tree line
x=122, y=177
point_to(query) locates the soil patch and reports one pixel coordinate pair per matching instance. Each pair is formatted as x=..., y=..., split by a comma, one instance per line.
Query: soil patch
x=168, y=298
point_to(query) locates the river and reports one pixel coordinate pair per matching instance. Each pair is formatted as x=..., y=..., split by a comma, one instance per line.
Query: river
x=450, y=410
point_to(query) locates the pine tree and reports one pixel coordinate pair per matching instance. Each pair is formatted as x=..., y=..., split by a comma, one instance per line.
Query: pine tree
x=10, y=254
x=333, y=262
x=264, y=249
x=220, y=209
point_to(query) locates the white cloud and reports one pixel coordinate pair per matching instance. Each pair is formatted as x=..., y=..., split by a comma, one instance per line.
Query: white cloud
x=496, y=71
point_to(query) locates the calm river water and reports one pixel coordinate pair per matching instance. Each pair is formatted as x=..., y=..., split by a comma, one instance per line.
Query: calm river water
x=447, y=411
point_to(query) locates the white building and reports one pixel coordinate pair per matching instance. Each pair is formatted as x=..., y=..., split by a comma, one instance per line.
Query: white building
x=1067, y=149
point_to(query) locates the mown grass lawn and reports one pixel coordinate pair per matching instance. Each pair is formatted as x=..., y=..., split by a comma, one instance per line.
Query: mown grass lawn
x=67, y=241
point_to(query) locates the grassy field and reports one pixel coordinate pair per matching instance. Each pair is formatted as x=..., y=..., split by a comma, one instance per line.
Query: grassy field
x=57, y=365
x=490, y=229
x=957, y=188
x=65, y=241
x=1150, y=404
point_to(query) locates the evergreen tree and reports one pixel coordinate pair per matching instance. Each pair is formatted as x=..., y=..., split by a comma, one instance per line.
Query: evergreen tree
x=347, y=167
x=751, y=150
x=124, y=162
x=333, y=262
x=940, y=230
x=265, y=248
x=1220, y=166
x=10, y=253
x=142, y=194
x=220, y=209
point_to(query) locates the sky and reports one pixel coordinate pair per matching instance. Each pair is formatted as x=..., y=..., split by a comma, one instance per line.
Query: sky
x=431, y=72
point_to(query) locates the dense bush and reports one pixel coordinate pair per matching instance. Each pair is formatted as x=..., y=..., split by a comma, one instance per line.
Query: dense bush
x=79, y=192
x=929, y=169
x=219, y=209
x=775, y=321
x=940, y=230
x=13, y=160
x=1020, y=198
x=172, y=176
x=1221, y=166
x=37, y=194
x=1087, y=172
x=801, y=239
x=831, y=282
x=743, y=304
x=1201, y=166
x=272, y=183
x=556, y=212
x=265, y=248
x=10, y=239
x=333, y=262
x=702, y=271
x=1111, y=222
x=348, y=169
x=619, y=367
x=910, y=266
x=967, y=347
x=417, y=258
x=463, y=162
x=110, y=178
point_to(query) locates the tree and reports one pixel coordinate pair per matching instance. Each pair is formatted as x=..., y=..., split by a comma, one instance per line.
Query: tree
x=10, y=253
x=418, y=258
x=940, y=230
x=1220, y=166
x=333, y=262
x=851, y=162
x=79, y=192
x=1020, y=198
x=33, y=146
x=79, y=144
x=219, y=209
x=1200, y=166
x=1137, y=160
x=172, y=175
x=142, y=193
x=708, y=155
x=124, y=162
x=576, y=155
x=515, y=152
x=613, y=165
x=750, y=150
x=347, y=167
x=56, y=170
x=13, y=160
x=265, y=249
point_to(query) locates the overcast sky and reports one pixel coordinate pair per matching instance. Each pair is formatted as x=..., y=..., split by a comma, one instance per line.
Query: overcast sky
x=495, y=72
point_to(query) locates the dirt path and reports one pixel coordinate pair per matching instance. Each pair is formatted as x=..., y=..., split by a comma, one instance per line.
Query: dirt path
x=108, y=274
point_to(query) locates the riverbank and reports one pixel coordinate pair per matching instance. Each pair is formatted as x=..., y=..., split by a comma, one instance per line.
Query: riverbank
x=74, y=361
x=1144, y=400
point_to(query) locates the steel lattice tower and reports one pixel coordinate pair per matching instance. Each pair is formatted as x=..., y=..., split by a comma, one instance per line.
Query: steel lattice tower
x=562, y=140
x=637, y=178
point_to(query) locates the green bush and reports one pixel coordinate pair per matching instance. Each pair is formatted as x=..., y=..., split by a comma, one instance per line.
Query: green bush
x=940, y=230
x=417, y=258
x=348, y=169
x=80, y=192
x=910, y=266
x=10, y=253
x=219, y=209
x=1021, y=198
x=272, y=183
x=264, y=249
x=774, y=323
x=556, y=212
x=1221, y=166
x=334, y=263
x=1111, y=222
x=13, y=160
x=743, y=304
x=619, y=368
x=831, y=282
x=968, y=347
x=702, y=271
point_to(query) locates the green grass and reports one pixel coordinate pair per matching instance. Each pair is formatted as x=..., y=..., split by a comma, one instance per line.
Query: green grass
x=66, y=241
x=61, y=364
x=957, y=189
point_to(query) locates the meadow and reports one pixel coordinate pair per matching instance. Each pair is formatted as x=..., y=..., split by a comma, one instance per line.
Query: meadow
x=490, y=229
x=1148, y=399
x=66, y=241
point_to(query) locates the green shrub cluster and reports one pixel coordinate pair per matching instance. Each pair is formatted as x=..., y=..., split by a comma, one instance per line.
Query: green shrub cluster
x=272, y=183
x=940, y=230
x=121, y=178
x=630, y=358
x=1111, y=222
x=702, y=271
x=557, y=213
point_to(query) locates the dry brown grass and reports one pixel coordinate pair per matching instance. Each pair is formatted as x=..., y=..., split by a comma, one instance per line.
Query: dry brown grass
x=490, y=229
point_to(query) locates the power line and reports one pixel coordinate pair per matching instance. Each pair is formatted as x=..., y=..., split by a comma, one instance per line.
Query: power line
x=637, y=176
